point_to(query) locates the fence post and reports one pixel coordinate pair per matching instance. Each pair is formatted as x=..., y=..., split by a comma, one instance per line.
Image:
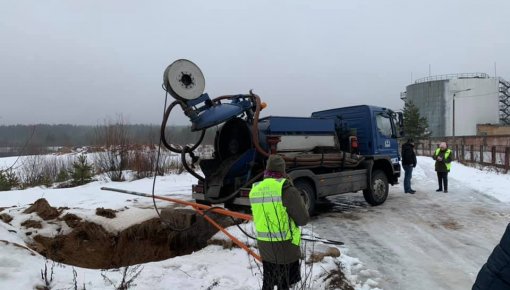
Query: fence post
x=493, y=153
x=507, y=152
x=481, y=154
x=462, y=152
x=471, y=153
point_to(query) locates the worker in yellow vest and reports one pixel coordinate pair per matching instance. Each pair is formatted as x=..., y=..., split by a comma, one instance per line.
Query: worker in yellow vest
x=443, y=157
x=278, y=211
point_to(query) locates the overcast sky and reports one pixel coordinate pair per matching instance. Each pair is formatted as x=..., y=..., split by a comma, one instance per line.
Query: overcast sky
x=81, y=62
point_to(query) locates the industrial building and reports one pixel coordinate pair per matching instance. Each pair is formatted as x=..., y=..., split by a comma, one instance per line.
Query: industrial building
x=455, y=104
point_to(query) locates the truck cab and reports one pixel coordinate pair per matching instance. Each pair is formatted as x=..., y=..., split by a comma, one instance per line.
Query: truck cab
x=376, y=128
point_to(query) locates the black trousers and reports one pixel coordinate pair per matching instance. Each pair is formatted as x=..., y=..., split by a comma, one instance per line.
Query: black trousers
x=281, y=275
x=442, y=179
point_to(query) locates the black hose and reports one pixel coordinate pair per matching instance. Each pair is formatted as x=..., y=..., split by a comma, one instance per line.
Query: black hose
x=185, y=164
x=171, y=227
x=315, y=239
x=163, y=126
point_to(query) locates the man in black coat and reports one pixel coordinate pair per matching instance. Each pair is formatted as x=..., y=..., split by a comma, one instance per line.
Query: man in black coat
x=495, y=274
x=408, y=163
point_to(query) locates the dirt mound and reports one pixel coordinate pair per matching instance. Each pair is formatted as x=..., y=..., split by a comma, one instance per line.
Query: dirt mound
x=89, y=245
x=32, y=224
x=320, y=254
x=43, y=209
x=105, y=212
x=337, y=280
x=71, y=220
x=5, y=218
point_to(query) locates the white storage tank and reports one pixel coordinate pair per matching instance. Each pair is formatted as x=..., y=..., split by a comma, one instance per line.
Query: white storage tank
x=454, y=104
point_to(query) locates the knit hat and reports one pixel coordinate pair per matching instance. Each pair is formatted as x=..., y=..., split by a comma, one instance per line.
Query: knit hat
x=275, y=163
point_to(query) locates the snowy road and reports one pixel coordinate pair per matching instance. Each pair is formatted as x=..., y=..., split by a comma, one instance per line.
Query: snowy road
x=428, y=240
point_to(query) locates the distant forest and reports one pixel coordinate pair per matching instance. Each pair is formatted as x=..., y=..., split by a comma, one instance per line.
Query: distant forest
x=43, y=135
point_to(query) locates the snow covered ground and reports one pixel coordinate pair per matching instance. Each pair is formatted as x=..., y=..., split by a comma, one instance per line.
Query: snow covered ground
x=210, y=268
x=429, y=240
x=424, y=241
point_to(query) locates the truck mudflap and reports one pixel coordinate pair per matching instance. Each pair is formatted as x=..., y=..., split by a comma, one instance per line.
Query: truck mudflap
x=396, y=174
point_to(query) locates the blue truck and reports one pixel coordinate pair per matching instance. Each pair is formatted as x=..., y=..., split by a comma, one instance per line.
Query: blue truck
x=334, y=151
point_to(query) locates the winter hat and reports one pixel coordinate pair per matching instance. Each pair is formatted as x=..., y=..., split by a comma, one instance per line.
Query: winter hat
x=275, y=163
x=442, y=145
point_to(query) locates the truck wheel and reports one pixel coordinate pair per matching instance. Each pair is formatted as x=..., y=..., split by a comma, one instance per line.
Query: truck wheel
x=378, y=192
x=308, y=195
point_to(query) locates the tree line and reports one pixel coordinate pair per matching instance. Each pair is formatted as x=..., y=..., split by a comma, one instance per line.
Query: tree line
x=39, y=136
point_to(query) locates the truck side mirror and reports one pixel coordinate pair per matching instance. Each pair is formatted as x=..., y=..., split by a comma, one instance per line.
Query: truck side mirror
x=400, y=119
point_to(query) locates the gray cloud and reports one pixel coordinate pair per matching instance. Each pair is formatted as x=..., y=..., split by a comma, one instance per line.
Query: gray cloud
x=80, y=62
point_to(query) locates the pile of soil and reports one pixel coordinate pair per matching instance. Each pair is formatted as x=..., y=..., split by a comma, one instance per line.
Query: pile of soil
x=89, y=245
x=5, y=218
x=43, y=209
x=32, y=224
x=337, y=280
x=71, y=220
x=105, y=212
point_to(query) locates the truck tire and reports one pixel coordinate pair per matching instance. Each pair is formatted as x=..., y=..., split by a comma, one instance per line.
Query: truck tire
x=378, y=191
x=307, y=193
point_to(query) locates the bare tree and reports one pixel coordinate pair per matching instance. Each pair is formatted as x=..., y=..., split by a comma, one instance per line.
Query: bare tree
x=114, y=139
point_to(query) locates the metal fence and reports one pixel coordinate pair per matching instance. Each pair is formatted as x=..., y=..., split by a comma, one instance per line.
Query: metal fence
x=491, y=151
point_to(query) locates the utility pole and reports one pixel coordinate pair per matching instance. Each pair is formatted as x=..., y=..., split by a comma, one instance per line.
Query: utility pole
x=455, y=92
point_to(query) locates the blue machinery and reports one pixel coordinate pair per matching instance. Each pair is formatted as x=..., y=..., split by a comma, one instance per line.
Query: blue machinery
x=240, y=113
x=244, y=141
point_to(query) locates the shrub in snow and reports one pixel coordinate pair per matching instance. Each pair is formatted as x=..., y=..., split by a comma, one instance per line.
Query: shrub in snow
x=82, y=172
x=8, y=180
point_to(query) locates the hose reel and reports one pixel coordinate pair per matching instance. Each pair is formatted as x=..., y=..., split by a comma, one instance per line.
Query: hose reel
x=184, y=80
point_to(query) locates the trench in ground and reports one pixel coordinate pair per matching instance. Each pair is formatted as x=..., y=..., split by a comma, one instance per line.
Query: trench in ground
x=89, y=245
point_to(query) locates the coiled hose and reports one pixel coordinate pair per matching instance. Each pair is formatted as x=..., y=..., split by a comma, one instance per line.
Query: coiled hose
x=186, y=149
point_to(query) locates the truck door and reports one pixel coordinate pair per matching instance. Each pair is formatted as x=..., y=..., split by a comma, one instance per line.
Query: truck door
x=385, y=139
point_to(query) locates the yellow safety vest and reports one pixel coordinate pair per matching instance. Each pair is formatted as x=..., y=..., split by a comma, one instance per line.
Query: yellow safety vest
x=446, y=154
x=272, y=223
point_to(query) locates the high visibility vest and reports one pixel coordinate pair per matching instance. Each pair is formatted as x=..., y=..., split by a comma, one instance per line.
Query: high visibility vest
x=272, y=223
x=446, y=154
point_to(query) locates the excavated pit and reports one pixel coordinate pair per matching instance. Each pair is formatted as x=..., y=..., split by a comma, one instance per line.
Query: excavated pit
x=89, y=245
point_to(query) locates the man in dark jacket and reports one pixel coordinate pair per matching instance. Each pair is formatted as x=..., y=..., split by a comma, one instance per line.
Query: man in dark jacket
x=495, y=274
x=278, y=211
x=408, y=163
x=443, y=157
